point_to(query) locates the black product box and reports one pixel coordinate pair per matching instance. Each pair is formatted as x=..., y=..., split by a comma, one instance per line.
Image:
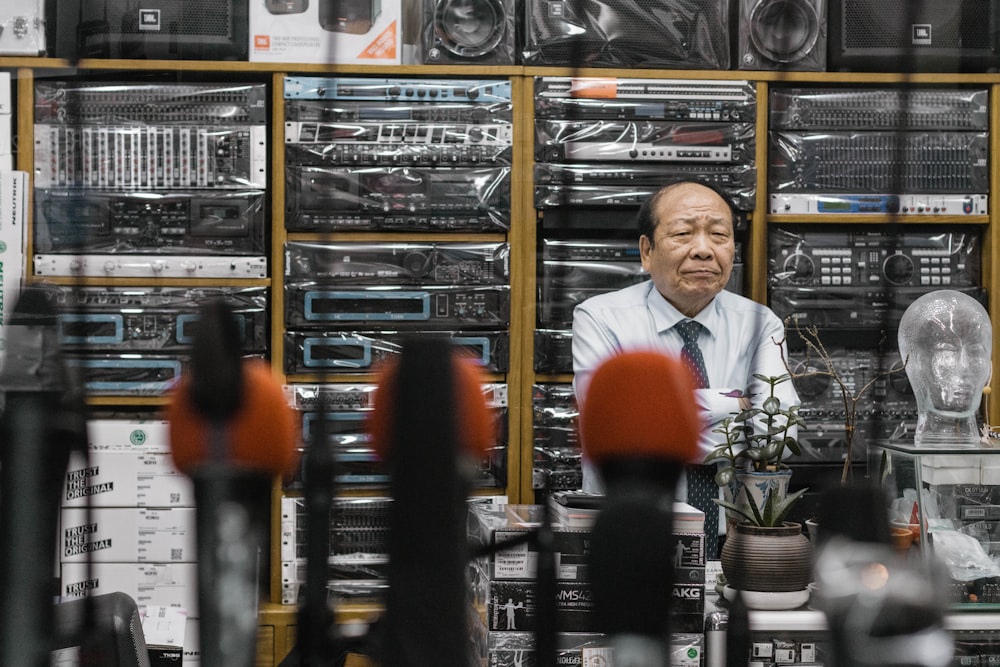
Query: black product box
x=497, y=524
x=688, y=614
x=513, y=606
x=517, y=649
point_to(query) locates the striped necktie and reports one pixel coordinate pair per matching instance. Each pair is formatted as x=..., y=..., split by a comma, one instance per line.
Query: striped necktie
x=691, y=353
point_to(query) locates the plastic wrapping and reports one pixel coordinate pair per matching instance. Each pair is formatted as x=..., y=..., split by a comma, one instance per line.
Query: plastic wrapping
x=154, y=319
x=879, y=162
x=472, y=32
x=646, y=141
x=572, y=98
x=557, y=453
x=925, y=257
x=782, y=35
x=859, y=108
x=104, y=103
x=397, y=198
x=553, y=352
x=358, y=465
x=398, y=144
x=621, y=185
x=399, y=263
x=674, y=34
x=127, y=374
x=360, y=351
x=206, y=222
x=849, y=309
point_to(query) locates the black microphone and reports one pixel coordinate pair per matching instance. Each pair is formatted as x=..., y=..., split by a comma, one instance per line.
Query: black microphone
x=429, y=411
x=232, y=432
x=639, y=423
x=44, y=419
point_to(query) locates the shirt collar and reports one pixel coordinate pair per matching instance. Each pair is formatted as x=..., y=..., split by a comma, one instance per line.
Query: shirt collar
x=665, y=316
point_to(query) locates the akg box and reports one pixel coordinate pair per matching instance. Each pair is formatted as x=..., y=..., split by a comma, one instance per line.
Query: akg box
x=360, y=32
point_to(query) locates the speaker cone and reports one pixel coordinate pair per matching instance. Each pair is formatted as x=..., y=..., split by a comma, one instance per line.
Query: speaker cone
x=784, y=30
x=469, y=28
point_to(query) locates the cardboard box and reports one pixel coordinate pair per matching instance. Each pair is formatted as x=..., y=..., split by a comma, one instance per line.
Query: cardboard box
x=22, y=28
x=128, y=535
x=159, y=584
x=300, y=31
x=513, y=649
x=126, y=479
x=129, y=435
x=13, y=198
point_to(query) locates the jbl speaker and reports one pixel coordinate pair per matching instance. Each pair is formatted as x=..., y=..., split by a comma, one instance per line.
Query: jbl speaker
x=782, y=35
x=678, y=34
x=354, y=17
x=469, y=31
x=140, y=29
x=914, y=35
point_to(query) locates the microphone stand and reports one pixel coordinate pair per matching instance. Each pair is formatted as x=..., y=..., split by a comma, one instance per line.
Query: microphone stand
x=41, y=423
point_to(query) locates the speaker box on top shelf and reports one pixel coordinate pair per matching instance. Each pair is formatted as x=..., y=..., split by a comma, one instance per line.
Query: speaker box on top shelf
x=782, y=35
x=914, y=35
x=158, y=29
x=354, y=17
x=676, y=34
x=469, y=31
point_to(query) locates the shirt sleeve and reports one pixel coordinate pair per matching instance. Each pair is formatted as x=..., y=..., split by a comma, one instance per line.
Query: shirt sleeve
x=592, y=344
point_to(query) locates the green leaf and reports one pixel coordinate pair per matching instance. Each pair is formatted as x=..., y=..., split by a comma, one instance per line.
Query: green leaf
x=793, y=446
x=755, y=454
x=772, y=450
x=771, y=405
x=725, y=476
x=718, y=453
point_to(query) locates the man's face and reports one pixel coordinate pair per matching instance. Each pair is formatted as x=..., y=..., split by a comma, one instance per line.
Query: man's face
x=691, y=255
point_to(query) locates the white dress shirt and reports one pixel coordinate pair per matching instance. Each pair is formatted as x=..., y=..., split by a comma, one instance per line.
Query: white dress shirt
x=740, y=338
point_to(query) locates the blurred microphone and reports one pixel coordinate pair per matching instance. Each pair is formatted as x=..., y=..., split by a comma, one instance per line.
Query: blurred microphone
x=43, y=420
x=639, y=424
x=430, y=424
x=232, y=432
x=882, y=609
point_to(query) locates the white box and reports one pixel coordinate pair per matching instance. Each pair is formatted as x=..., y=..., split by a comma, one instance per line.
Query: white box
x=22, y=28
x=161, y=584
x=279, y=32
x=126, y=479
x=6, y=105
x=129, y=435
x=128, y=535
x=950, y=469
x=13, y=192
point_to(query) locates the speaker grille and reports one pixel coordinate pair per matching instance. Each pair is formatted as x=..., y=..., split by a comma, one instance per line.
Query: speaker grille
x=887, y=24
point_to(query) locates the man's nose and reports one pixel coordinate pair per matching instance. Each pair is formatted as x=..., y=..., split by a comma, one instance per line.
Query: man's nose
x=702, y=246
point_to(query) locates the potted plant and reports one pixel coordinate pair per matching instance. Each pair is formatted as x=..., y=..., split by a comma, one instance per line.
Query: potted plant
x=763, y=553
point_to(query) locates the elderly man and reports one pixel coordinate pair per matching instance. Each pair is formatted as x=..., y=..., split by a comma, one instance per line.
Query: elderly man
x=687, y=247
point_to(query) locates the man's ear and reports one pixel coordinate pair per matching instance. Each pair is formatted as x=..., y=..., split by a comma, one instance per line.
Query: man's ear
x=645, y=248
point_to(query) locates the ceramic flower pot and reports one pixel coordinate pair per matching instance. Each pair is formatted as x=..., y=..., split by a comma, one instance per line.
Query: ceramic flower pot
x=773, y=560
x=760, y=485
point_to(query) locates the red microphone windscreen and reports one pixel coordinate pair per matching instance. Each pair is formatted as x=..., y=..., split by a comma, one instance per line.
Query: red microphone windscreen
x=640, y=405
x=475, y=422
x=261, y=435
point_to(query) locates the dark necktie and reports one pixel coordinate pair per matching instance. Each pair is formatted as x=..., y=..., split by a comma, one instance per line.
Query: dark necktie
x=691, y=353
x=701, y=483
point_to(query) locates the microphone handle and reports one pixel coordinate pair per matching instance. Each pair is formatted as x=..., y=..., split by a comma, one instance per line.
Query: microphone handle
x=232, y=527
x=33, y=462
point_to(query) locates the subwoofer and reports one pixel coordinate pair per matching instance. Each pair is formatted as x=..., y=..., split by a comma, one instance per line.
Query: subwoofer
x=353, y=17
x=676, y=34
x=140, y=29
x=469, y=31
x=782, y=35
x=914, y=35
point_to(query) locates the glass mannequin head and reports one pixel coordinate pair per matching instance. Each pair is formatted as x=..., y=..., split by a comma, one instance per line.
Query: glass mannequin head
x=946, y=338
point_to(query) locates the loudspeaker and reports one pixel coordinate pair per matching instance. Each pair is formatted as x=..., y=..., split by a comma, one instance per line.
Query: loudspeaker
x=782, y=35
x=286, y=6
x=914, y=35
x=160, y=29
x=676, y=34
x=354, y=17
x=469, y=31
